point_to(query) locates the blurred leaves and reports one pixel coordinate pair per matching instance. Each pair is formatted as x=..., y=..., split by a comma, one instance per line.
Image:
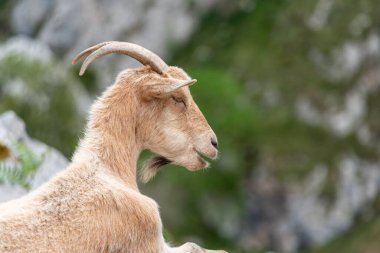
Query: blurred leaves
x=274, y=56
x=20, y=175
x=267, y=49
x=43, y=95
x=5, y=11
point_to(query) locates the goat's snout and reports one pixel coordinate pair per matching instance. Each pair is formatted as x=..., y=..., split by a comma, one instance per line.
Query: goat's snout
x=214, y=142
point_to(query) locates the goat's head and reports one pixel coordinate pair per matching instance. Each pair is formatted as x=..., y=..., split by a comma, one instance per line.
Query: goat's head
x=168, y=122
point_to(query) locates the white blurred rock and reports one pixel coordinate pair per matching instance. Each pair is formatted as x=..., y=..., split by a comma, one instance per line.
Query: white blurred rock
x=358, y=183
x=12, y=130
x=27, y=47
x=68, y=27
x=319, y=17
x=36, y=10
x=345, y=118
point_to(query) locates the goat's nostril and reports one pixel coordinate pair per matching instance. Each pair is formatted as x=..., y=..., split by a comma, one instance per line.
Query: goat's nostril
x=214, y=142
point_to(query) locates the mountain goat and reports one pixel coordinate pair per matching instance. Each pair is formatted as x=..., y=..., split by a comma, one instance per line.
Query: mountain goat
x=94, y=205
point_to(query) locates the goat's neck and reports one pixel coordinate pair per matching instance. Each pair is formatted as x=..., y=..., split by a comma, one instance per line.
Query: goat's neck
x=111, y=139
x=118, y=156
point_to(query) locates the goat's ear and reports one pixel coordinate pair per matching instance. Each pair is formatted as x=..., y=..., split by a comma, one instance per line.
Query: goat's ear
x=163, y=87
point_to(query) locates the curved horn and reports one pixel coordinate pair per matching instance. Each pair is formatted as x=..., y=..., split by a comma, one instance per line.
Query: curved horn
x=89, y=51
x=137, y=52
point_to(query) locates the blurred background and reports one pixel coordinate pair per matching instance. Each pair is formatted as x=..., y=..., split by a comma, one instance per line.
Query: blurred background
x=291, y=88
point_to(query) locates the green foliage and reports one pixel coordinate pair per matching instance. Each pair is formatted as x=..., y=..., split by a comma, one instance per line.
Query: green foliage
x=5, y=11
x=266, y=48
x=50, y=110
x=22, y=174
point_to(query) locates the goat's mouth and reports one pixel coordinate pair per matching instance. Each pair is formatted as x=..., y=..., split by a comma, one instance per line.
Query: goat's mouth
x=204, y=158
x=207, y=155
x=154, y=164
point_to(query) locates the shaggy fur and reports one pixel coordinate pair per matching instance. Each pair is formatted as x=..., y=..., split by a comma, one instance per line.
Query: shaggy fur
x=94, y=205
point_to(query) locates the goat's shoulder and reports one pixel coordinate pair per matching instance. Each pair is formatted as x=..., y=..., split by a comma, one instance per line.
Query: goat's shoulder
x=123, y=196
x=123, y=211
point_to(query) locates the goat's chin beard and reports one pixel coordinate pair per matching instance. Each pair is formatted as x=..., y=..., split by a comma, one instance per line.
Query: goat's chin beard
x=154, y=164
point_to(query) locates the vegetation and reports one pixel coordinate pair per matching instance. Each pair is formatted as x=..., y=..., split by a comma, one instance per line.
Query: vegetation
x=264, y=47
x=50, y=110
x=5, y=6
x=21, y=175
x=272, y=64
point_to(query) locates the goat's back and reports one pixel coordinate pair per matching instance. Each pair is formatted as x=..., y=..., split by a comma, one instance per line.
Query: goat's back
x=81, y=210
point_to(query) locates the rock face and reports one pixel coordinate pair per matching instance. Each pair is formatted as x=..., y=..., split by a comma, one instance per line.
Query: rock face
x=358, y=186
x=68, y=27
x=289, y=217
x=27, y=47
x=12, y=131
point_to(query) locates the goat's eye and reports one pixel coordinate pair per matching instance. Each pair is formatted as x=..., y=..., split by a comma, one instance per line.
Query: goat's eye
x=179, y=101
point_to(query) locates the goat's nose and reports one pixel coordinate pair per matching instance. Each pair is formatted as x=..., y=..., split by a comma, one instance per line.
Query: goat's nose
x=214, y=142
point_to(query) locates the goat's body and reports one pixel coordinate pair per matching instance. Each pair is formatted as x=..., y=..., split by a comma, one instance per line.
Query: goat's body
x=83, y=209
x=95, y=205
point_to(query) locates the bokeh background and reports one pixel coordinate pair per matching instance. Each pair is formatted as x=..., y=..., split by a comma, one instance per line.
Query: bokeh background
x=291, y=88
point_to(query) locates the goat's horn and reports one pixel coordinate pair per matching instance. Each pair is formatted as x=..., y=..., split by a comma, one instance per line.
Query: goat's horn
x=137, y=52
x=89, y=51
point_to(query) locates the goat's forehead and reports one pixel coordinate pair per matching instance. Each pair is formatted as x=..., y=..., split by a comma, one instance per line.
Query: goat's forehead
x=174, y=72
x=177, y=73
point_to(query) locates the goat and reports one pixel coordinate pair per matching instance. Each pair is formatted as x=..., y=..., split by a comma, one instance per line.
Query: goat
x=94, y=205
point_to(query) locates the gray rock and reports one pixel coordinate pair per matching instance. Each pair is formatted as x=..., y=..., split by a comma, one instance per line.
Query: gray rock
x=68, y=27
x=358, y=185
x=12, y=130
x=26, y=46
x=27, y=16
x=343, y=119
x=318, y=18
x=297, y=216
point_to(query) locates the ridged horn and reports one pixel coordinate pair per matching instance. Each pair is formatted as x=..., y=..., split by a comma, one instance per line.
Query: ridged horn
x=137, y=52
